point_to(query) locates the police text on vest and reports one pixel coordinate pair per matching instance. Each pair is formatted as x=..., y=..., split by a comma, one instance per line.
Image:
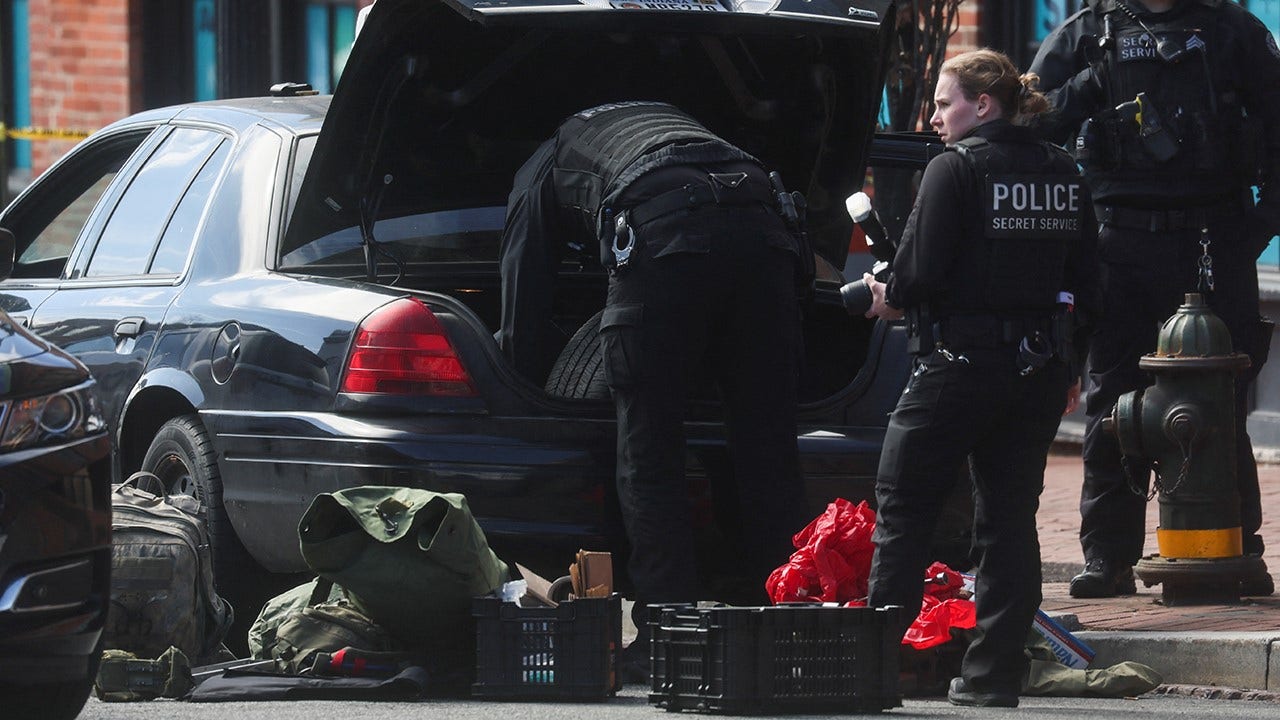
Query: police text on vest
x=1024, y=196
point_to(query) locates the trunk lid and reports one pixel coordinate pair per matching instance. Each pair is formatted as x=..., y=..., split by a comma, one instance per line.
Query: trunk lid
x=442, y=100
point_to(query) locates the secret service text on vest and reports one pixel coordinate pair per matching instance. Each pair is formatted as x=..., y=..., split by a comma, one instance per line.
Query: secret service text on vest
x=1018, y=205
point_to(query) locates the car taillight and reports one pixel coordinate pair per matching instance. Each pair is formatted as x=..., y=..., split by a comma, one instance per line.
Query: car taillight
x=402, y=349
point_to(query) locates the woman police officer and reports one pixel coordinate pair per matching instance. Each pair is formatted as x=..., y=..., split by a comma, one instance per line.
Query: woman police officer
x=996, y=253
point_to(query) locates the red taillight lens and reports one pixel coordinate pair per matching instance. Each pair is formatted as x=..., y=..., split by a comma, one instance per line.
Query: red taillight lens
x=401, y=349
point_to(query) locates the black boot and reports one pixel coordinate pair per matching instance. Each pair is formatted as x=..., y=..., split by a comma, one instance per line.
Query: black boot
x=962, y=693
x=1103, y=579
x=1258, y=585
x=634, y=663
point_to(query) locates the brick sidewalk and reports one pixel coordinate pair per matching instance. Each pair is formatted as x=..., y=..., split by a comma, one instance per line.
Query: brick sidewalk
x=1059, y=524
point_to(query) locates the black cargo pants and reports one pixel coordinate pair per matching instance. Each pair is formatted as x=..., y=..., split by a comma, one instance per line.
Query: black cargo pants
x=713, y=281
x=1144, y=278
x=975, y=406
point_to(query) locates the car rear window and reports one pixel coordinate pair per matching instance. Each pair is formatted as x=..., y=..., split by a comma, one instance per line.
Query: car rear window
x=467, y=235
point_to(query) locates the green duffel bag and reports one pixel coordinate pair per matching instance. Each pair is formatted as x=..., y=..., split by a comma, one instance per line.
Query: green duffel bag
x=326, y=628
x=262, y=634
x=409, y=559
x=312, y=620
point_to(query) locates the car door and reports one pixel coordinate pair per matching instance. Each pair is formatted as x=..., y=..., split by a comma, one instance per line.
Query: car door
x=49, y=218
x=109, y=302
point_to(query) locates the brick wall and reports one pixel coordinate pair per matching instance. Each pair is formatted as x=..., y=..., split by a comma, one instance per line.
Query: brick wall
x=966, y=36
x=80, y=69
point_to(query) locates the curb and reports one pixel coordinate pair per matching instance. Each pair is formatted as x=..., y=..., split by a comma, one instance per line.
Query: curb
x=1248, y=660
x=1216, y=693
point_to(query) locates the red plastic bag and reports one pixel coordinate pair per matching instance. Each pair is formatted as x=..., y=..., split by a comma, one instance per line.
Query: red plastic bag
x=943, y=608
x=942, y=582
x=936, y=620
x=832, y=563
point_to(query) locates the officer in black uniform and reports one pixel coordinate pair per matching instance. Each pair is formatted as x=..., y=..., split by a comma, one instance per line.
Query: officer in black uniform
x=999, y=239
x=1176, y=109
x=704, y=255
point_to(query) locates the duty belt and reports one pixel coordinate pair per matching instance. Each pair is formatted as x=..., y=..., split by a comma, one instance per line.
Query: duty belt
x=718, y=188
x=988, y=331
x=1165, y=220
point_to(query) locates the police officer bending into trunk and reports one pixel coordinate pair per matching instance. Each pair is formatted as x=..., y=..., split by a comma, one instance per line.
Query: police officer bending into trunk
x=1175, y=109
x=993, y=258
x=704, y=256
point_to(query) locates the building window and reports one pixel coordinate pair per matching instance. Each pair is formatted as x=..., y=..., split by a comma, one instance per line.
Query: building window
x=1018, y=27
x=205, y=49
x=20, y=82
x=1049, y=14
x=1268, y=11
x=331, y=28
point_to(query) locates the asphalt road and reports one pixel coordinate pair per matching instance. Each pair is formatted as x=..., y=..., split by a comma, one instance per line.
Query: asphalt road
x=632, y=704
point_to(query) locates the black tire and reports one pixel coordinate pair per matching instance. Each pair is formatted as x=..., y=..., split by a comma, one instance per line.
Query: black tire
x=183, y=457
x=579, y=371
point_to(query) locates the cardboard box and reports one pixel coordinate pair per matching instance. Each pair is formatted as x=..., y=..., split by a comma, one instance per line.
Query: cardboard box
x=536, y=587
x=592, y=574
x=1069, y=650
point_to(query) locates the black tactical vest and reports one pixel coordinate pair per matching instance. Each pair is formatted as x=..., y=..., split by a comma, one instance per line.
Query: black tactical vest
x=1190, y=96
x=595, y=148
x=602, y=150
x=1031, y=217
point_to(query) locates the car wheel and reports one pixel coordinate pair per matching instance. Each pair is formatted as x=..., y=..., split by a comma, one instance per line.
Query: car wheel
x=579, y=371
x=182, y=456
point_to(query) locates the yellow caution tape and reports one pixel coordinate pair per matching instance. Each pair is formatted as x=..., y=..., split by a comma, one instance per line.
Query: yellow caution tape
x=39, y=133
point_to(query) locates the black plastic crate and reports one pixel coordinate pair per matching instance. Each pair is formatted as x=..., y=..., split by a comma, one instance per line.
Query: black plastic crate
x=783, y=659
x=568, y=652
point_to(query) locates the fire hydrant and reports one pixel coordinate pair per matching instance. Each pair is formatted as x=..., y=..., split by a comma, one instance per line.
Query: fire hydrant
x=1184, y=427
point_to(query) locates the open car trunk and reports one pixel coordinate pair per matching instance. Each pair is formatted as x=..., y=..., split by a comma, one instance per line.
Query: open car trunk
x=442, y=101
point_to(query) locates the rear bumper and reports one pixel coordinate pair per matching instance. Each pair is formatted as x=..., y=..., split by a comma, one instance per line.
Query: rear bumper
x=543, y=482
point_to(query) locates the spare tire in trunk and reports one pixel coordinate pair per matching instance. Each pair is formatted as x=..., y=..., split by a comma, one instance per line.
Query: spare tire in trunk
x=579, y=371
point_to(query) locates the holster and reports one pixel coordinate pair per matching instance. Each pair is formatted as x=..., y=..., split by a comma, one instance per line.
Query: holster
x=1263, y=329
x=921, y=330
x=1248, y=150
x=806, y=266
x=1062, y=329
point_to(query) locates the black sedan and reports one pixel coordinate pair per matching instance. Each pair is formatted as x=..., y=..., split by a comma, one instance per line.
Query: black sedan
x=55, y=525
x=284, y=296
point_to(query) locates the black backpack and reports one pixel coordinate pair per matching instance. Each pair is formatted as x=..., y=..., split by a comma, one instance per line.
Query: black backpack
x=162, y=591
